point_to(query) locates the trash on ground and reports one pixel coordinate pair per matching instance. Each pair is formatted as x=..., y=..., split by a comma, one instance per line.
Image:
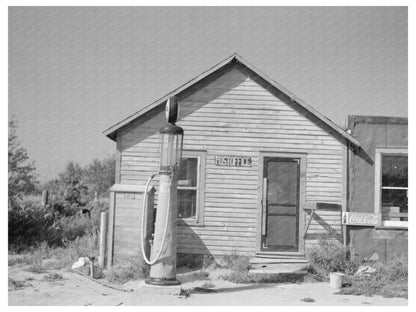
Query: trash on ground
x=80, y=263
x=365, y=270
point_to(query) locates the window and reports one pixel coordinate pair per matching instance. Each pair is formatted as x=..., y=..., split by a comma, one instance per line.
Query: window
x=190, y=187
x=392, y=186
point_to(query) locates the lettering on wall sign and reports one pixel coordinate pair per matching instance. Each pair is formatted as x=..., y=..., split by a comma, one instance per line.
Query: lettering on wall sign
x=233, y=161
x=361, y=218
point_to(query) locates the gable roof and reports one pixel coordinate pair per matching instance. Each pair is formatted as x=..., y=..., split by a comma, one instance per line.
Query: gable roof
x=111, y=132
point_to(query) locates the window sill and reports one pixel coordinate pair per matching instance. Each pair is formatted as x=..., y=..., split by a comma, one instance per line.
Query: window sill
x=391, y=227
x=189, y=222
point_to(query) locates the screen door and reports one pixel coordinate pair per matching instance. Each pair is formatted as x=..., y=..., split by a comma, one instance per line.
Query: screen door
x=280, y=222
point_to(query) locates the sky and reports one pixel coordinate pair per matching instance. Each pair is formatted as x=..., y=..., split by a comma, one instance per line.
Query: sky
x=76, y=71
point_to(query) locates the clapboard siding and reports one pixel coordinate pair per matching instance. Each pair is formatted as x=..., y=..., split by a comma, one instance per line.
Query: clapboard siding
x=234, y=115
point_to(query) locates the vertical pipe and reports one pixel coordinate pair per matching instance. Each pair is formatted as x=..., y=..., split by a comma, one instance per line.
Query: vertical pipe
x=103, y=235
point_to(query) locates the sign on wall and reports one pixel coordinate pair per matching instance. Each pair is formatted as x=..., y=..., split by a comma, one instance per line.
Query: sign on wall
x=233, y=161
x=361, y=218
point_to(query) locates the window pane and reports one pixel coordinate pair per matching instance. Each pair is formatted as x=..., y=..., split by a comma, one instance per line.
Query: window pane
x=394, y=170
x=394, y=203
x=187, y=175
x=186, y=203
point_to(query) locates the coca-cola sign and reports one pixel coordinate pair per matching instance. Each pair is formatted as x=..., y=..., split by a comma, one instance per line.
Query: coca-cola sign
x=361, y=218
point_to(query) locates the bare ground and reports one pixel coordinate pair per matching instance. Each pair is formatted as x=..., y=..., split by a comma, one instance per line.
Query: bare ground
x=73, y=289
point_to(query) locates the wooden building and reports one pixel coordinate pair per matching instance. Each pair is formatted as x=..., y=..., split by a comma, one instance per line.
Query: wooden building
x=257, y=161
x=378, y=185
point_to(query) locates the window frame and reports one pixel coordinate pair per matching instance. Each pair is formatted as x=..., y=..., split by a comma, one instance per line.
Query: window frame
x=380, y=152
x=200, y=188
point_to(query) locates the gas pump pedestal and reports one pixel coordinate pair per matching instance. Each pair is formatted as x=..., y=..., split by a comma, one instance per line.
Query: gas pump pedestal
x=163, y=254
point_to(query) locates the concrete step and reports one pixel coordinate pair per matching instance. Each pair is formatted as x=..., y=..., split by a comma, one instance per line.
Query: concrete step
x=279, y=268
x=262, y=259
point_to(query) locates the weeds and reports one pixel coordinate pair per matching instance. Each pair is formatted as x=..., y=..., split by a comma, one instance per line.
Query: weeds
x=16, y=284
x=208, y=285
x=193, y=276
x=185, y=293
x=24, y=259
x=132, y=268
x=389, y=280
x=330, y=256
x=237, y=263
x=52, y=277
x=254, y=278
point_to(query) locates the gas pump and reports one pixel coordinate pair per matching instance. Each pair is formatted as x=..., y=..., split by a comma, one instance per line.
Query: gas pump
x=163, y=255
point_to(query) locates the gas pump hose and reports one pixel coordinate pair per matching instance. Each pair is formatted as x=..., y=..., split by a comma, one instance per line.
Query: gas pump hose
x=144, y=220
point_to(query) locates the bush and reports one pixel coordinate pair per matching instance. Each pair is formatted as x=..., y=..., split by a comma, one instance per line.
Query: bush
x=31, y=224
x=331, y=256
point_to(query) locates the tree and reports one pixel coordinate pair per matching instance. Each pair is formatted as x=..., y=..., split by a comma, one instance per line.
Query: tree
x=100, y=174
x=22, y=172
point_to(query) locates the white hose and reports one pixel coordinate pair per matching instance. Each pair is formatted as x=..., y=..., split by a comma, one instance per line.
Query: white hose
x=144, y=220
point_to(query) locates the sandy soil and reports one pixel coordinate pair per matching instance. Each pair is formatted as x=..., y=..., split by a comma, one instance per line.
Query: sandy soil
x=74, y=289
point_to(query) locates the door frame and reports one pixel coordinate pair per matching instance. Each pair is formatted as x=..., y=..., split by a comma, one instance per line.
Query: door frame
x=302, y=193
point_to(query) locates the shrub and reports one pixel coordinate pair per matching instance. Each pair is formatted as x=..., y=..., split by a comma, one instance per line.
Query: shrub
x=331, y=256
x=131, y=268
x=28, y=225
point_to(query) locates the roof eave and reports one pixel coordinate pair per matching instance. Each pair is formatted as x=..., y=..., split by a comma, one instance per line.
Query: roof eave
x=112, y=131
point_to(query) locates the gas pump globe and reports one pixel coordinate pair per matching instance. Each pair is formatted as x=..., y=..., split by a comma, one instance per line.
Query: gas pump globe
x=171, y=142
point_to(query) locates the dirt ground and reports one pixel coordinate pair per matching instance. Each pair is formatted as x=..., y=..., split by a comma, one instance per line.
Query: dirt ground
x=74, y=289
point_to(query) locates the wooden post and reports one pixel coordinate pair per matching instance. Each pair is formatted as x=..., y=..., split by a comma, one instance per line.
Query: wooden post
x=45, y=196
x=110, y=234
x=103, y=235
x=92, y=267
x=95, y=199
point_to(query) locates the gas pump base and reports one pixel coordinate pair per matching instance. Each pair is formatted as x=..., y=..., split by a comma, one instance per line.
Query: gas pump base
x=162, y=281
x=172, y=290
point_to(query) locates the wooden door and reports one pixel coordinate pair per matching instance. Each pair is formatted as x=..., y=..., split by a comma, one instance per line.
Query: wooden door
x=280, y=223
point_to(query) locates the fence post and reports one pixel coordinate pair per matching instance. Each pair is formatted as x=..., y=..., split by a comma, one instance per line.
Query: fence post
x=45, y=195
x=103, y=235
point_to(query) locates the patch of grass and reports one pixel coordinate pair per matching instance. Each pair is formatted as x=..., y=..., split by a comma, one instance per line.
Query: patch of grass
x=52, y=277
x=193, y=276
x=190, y=261
x=22, y=259
x=208, y=285
x=237, y=263
x=132, y=268
x=262, y=278
x=389, y=280
x=307, y=299
x=16, y=284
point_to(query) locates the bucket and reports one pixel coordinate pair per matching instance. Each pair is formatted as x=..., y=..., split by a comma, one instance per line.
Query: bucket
x=335, y=280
